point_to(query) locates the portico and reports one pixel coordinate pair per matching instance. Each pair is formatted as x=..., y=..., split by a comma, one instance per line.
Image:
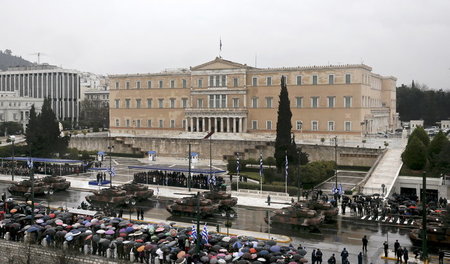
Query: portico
x=223, y=120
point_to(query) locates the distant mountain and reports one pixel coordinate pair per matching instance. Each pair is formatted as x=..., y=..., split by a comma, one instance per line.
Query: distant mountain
x=9, y=60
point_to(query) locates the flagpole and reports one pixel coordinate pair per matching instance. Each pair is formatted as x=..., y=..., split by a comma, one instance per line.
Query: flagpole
x=238, y=169
x=286, y=175
x=260, y=171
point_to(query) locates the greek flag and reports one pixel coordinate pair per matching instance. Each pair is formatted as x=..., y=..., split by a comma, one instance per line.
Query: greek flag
x=214, y=180
x=30, y=163
x=238, y=165
x=205, y=234
x=287, y=167
x=340, y=190
x=194, y=232
x=260, y=165
x=112, y=171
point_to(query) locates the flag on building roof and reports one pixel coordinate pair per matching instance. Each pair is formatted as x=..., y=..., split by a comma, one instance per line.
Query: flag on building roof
x=260, y=165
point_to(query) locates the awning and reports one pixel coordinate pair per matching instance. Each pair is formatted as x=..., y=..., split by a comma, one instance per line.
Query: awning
x=101, y=153
x=34, y=159
x=98, y=169
x=151, y=152
x=207, y=171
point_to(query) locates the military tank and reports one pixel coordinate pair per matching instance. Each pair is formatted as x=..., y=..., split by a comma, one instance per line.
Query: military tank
x=56, y=183
x=139, y=192
x=22, y=187
x=297, y=216
x=188, y=206
x=438, y=232
x=222, y=198
x=112, y=195
x=326, y=209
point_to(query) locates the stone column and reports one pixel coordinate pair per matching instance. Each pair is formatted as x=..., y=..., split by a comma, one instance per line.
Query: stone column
x=240, y=125
x=244, y=125
x=197, y=124
x=233, y=120
x=221, y=125
x=192, y=124
x=186, y=124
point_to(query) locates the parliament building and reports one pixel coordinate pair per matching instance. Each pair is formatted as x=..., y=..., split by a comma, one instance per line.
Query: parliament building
x=230, y=97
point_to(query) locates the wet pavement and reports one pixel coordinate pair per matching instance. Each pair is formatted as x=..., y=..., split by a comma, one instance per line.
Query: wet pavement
x=332, y=238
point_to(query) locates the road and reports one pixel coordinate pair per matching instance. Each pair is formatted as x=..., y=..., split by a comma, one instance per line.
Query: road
x=332, y=238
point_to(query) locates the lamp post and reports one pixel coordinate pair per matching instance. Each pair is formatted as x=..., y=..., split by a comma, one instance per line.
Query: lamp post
x=335, y=160
x=110, y=149
x=228, y=215
x=298, y=175
x=12, y=138
x=48, y=192
x=130, y=203
x=424, y=218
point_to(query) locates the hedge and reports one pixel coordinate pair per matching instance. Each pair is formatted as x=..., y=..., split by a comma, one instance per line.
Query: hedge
x=292, y=191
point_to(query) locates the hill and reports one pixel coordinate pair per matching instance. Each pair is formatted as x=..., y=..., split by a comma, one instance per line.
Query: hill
x=9, y=60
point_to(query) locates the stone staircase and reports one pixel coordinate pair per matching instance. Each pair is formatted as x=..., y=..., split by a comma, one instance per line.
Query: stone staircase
x=385, y=173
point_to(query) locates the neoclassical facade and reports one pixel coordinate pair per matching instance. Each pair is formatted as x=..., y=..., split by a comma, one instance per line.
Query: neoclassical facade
x=230, y=97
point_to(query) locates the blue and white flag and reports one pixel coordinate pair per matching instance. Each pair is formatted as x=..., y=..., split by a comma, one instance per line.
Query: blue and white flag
x=340, y=190
x=112, y=171
x=238, y=165
x=214, y=180
x=194, y=232
x=205, y=234
x=30, y=163
x=260, y=165
x=287, y=167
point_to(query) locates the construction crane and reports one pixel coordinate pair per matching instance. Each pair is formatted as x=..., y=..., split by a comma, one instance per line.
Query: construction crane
x=38, y=54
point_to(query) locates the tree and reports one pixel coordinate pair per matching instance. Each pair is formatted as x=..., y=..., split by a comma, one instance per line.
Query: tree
x=443, y=159
x=414, y=155
x=420, y=133
x=43, y=135
x=284, y=126
x=10, y=128
x=435, y=147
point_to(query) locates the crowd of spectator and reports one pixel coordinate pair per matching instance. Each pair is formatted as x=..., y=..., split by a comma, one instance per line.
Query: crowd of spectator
x=178, y=179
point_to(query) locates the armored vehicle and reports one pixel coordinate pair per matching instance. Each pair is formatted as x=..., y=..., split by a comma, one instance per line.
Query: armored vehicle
x=297, y=216
x=20, y=188
x=188, y=206
x=113, y=195
x=139, y=192
x=56, y=183
x=222, y=198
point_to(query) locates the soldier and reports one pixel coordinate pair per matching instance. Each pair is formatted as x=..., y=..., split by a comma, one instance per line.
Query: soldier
x=364, y=242
x=386, y=247
x=319, y=256
x=396, y=247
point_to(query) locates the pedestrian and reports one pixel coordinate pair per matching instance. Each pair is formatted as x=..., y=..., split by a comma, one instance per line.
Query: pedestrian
x=360, y=258
x=386, y=248
x=441, y=257
x=365, y=242
x=313, y=257
x=319, y=256
x=396, y=247
x=399, y=254
x=405, y=255
x=344, y=255
x=332, y=260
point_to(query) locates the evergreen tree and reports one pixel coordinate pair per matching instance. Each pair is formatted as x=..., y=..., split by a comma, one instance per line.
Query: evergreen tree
x=443, y=159
x=414, y=155
x=284, y=126
x=436, y=146
x=32, y=128
x=420, y=133
x=43, y=134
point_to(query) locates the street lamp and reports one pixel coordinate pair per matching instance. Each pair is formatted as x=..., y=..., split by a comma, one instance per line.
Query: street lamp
x=48, y=192
x=228, y=215
x=110, y=148
x=130, y=203
x=335, y=160
x=12, y=138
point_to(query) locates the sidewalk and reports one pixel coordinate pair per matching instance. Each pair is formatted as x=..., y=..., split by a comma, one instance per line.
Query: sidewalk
x=391, y=258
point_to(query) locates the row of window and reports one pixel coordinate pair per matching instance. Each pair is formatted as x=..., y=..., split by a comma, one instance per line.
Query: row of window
x=220, y=101
x=221, y=81
x=299, y=125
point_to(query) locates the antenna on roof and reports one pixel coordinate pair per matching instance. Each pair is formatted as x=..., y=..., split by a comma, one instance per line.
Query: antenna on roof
x=220, y=46
x=256, y=60
x=362, y=61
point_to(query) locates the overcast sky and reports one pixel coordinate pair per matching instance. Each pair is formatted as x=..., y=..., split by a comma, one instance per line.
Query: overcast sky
x=408, y=39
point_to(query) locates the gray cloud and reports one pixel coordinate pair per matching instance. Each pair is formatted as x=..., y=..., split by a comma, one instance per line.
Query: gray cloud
x=407, y=39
